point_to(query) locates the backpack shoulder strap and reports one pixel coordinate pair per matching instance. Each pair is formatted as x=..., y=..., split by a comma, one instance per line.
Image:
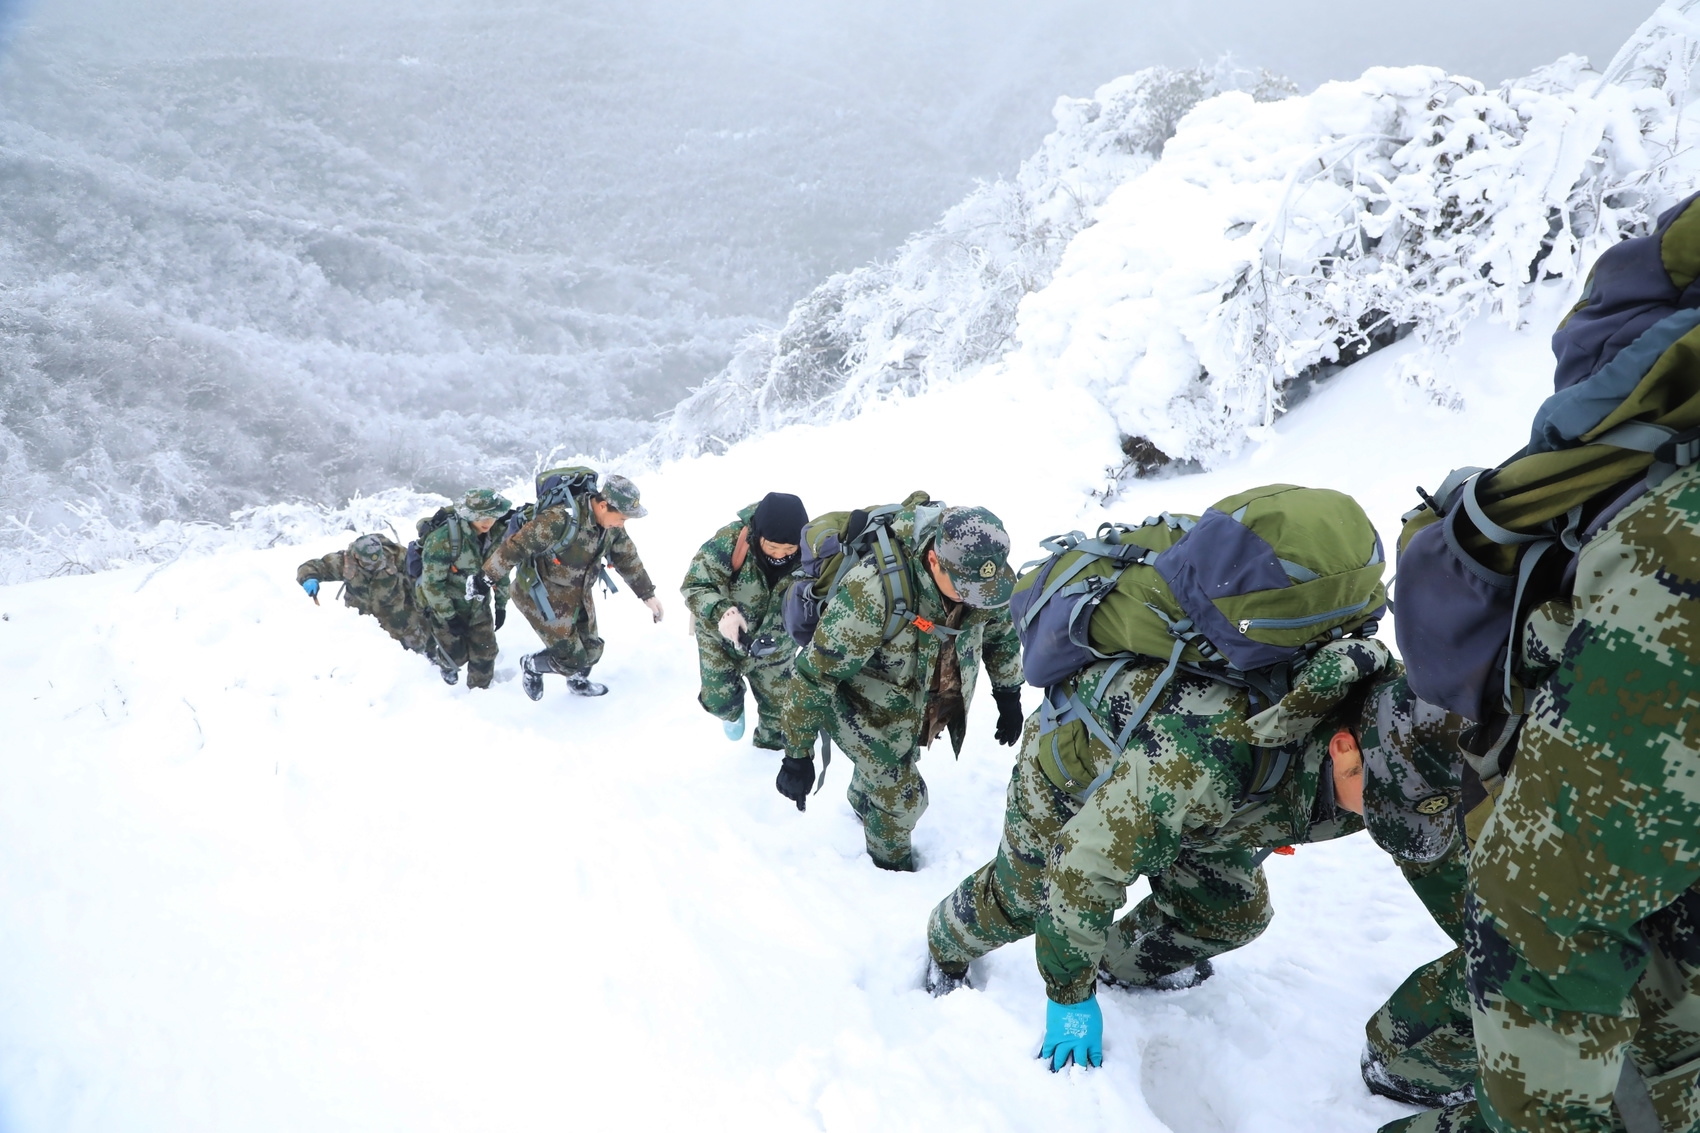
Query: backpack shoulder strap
x=899, y=585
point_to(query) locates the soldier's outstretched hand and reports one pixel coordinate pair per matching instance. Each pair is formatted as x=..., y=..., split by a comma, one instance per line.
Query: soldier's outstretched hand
x=796, y=776
x=1074, y=1032
x=654, y=605
x=732, y=623
x=311, y=586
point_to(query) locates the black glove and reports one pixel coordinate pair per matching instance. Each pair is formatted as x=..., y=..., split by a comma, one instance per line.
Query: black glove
x=501, y=616
x=1009, y=714
x=796, y=776
x=480, y=584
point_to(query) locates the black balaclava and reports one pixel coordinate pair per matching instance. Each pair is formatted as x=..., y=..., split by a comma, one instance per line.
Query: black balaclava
x=779, y=518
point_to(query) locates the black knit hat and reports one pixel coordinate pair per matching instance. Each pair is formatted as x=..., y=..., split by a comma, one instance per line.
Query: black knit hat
x=779, y=518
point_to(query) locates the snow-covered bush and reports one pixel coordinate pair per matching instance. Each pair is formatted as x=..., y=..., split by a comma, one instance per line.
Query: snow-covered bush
x=90, y=540
x=1194, y=286
x=946, y=302
x=1276, y=239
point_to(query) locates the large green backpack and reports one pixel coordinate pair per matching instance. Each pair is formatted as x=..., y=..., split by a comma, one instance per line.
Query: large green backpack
x=837, y=541
x=1490, y=544
x=1244, y=593
x=555, y=487
x=415, y=560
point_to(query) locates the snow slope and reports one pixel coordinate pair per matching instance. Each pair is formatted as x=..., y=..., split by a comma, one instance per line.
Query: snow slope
x=265, y=872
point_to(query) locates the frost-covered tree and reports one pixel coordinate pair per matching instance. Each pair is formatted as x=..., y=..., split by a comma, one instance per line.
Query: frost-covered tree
x=946, y=302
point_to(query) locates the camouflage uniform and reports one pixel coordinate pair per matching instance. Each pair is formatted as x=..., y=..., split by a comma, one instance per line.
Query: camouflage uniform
x=711, y=587
x=374, y=572
x=1421, y=1048
x=564, y=576
x=871, y=697
x=1169, y=809
x=452, y=554
x=1584, y=917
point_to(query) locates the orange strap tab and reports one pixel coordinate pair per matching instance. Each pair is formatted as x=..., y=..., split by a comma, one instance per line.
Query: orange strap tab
x=925, y=625
x=1285, y=851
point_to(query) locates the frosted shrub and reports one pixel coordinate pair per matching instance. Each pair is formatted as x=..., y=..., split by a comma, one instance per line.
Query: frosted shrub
x=946, y=303
x=90, y=540
x=1273, y=241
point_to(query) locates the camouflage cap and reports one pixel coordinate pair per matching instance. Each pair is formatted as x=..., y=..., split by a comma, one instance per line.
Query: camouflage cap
x=973, y=548
x=369, y=551
x=622, y=496
x=483, y=503
x=1411, y=772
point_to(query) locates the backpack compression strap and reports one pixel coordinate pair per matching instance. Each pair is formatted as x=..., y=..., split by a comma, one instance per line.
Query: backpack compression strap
x=1671, y=450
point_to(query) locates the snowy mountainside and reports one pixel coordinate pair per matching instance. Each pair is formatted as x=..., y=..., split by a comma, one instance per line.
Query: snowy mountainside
x=267, y=872
x=1271, y=242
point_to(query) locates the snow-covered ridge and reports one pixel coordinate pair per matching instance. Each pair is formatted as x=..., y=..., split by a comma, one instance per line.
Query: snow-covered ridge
x=946, y=303
x=1271, y=240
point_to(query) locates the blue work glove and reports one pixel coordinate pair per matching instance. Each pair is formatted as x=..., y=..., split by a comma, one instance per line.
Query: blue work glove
x=1073, y=1033
x=311, y=586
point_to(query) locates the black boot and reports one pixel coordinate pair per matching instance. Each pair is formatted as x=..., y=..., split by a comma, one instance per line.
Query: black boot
x=530, y=679
x=1383, y=1081
x=580, y=685
x=939, y=982
x=1190, y=976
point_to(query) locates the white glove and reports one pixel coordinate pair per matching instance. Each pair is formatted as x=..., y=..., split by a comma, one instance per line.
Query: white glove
x=654, y=605
x=732, y=623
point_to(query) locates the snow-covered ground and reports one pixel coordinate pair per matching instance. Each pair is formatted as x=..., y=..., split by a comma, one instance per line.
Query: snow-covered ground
x=264, y=871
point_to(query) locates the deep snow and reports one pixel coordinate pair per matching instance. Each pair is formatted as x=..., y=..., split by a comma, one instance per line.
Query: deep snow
x=264, y=871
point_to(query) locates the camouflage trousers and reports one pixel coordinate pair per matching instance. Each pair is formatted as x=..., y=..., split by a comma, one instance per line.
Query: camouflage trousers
x=1423, y=1035
x=476, y=648
x=889, y=796
x=570, y=640
x=726, y=670
x=1211, y=900
x=1579, y=1062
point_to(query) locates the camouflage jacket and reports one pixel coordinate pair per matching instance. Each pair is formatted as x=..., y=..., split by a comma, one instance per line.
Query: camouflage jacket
x=872, y=697
x=442, y=584
x=389, y=590
x=1180, y=784
x=1594, y=829
x=711, y=587
x=574, y=566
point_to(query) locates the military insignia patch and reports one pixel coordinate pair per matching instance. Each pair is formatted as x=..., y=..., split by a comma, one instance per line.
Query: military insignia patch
x=1434, y=804
x=988, y=569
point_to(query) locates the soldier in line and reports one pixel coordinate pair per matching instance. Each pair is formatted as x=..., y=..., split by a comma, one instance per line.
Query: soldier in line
x=375, y=581
x=1583, y=932
x=458, y=595
x=1173, y=808
x=560, y=549
x=882, y=701
x=735, y=588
